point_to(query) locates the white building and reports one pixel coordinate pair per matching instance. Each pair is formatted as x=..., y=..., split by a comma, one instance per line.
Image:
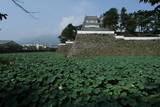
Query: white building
x=37, y=46
x=92, y=25
x=91, y=22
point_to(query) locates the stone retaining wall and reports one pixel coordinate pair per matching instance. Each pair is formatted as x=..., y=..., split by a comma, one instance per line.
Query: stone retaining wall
x=106, y=45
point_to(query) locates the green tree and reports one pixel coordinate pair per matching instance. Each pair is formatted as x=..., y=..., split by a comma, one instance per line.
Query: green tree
x=144, y=20
x=152, y=2
x=156, y=22
x=10, y=47
x=79, y=27
x=19, y=4
x=123, y=18
x=111, y=18
x=3, y=16
x=131, y=24
x=148, y=21
x=69, y=33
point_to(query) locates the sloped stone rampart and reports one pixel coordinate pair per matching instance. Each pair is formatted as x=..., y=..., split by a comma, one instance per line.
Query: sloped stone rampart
x=107, y=45
x=64, y=48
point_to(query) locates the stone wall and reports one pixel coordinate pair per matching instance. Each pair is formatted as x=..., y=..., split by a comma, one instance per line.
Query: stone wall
x=64, y=48
x=107, y=45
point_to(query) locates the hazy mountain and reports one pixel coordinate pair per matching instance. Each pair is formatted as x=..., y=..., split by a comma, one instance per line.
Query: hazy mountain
x=44, y=39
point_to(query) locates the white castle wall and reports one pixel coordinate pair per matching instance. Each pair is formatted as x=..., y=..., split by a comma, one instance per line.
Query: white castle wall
x=137, y=38
x=95, y=32
x=117, y=37
x=69, y=42
x=61, y=44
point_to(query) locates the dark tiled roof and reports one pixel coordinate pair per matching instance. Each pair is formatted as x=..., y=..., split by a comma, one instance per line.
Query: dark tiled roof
x=91, y=18
x=92, y=23
x=96, y=29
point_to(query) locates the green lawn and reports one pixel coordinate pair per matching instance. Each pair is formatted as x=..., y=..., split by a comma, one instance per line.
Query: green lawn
x=50, y=79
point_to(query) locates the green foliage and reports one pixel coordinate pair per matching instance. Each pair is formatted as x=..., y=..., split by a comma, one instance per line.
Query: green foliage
x=78, y=27
x=47, y=79
x=147, y=21
x=10, y=47
x=3, y=16
x=69, y=33
x=111, y=18
x=143, y=21
x=123, y=18
x=152, y=2
x=130, y=24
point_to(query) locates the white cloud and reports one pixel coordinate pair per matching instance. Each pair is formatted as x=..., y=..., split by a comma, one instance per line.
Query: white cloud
x=78, y=13
x=69, y=19
x=83, y=8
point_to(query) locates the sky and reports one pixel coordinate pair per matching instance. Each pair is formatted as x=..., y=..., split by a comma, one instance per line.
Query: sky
x=54, y=15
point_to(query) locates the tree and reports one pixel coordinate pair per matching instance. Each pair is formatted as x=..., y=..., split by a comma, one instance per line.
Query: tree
x=111, y=18
x=69, y=33
x=131, y=24
x=123, y=18
x=79, y=27
x=3, y=16
x=144, y=20
x=148, y=21
x=152, y=2
x=10, y=47
x=17, y=3
x=157, y=11
x=156, y=22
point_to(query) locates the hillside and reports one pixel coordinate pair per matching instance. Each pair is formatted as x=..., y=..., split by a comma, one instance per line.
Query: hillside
x=107, y=45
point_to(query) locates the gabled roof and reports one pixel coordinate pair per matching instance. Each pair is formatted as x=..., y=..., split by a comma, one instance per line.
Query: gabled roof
x=5, y=41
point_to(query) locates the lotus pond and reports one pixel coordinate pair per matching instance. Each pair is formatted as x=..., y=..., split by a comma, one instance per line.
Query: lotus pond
x=52, y=80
